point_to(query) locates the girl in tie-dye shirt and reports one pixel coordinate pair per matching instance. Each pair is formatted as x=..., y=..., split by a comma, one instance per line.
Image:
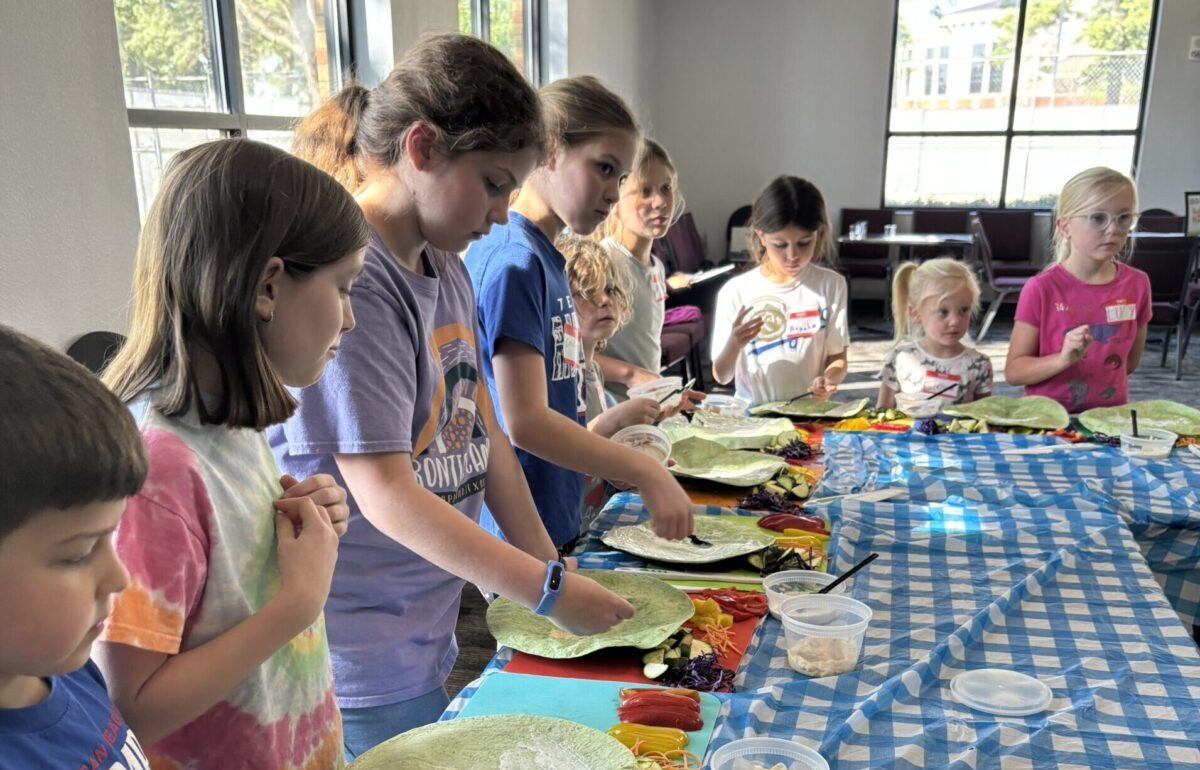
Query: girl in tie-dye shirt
x=216, y=652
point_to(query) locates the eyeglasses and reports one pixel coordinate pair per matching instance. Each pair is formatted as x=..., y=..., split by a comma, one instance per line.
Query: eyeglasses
x=1100, y=220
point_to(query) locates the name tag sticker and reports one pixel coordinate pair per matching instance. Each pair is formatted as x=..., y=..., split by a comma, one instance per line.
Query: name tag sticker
x=1120, y=311
x=804, y=323
x=937, y=381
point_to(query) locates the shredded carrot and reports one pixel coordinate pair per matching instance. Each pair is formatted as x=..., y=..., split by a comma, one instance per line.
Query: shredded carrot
x=719, y=639
x=677, y=759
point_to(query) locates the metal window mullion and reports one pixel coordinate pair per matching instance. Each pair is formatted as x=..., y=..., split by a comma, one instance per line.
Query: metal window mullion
x=213, y=121
x=338, y=43
x=482, y=13
x=887, y=116
x=533, y=41
x=1141, y=124
x=1012, y=103
x=231, y=60
x=270, y=122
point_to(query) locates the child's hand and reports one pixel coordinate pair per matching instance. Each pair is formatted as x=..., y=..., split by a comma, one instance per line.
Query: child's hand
x=679, y=281
x=307, y=554
x=669, y=506
x=641, y=377
x=1075, y=344
x=746, y=329
x=324, y=491
x=822, y=388
x=688, y=403
x=635, y=411
x=586, y=607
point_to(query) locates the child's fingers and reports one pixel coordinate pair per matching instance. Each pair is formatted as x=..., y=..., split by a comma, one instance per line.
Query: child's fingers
x=309, y=485
x=287, y=481
x=294, y=508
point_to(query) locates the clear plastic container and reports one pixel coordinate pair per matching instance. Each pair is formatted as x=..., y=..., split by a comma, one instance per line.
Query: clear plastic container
x=918, y=405
x=646, y=439
x=1151, y=444
x=658, y=389
x=782, y=586
x=766, y=753
x=824, y=633
x=719, y=403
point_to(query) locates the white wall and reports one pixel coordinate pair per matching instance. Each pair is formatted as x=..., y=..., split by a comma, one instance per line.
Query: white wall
x=68, y=211
x=1170, y=162
x=615, y=41
x=746, y=91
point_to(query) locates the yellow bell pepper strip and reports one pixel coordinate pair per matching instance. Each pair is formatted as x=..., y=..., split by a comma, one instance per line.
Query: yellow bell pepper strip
x=644, y=739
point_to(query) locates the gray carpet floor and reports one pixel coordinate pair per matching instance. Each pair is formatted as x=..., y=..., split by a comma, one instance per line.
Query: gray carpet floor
x=867, y=351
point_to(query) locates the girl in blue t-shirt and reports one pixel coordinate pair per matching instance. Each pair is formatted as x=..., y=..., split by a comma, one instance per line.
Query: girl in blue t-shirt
x=402, y=417
x=533, y=350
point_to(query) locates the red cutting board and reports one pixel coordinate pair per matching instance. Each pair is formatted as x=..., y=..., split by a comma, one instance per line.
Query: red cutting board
x=620, y=664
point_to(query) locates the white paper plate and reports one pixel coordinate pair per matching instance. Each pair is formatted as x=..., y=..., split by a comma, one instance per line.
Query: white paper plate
x=1001, y=692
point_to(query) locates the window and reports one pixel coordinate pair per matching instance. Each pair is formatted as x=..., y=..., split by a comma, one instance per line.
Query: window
x=196, y=70
x=977, y=67
x=1064, y=90
x=510, y=25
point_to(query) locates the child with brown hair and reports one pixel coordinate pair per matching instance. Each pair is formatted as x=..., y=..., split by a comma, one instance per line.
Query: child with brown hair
x=533, y=349
x=780, y=330
x=70, y=456
x=402, y=417
x=216, y=652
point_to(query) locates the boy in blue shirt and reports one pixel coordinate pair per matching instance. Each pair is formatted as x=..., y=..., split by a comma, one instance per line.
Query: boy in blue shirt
x=70, y=454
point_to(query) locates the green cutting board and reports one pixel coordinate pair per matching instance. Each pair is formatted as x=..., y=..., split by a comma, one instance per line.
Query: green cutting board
x=588, y=702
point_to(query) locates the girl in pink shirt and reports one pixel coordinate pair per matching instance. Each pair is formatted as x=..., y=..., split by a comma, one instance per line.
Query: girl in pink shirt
x=1081, y=324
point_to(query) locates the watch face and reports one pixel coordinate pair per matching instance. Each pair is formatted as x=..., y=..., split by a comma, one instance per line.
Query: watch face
x=556, y=578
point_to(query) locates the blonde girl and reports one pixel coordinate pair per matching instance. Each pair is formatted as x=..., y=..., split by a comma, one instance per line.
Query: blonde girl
x=932, y=305
x=216, y=652
x=534, y=355
x=649, y=204
x=403, y=417
x=780, y=329
x=602, y=307
x=1081, y=324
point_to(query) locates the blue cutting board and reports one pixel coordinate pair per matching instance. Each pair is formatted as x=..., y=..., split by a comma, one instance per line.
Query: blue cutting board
x=587, y=701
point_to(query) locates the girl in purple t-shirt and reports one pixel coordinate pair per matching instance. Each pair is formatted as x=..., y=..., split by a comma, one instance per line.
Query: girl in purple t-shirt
x=1081, y=324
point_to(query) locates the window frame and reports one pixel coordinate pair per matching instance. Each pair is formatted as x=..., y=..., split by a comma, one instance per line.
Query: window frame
x=535, y=36
x=1009, y=133
x=235, y=121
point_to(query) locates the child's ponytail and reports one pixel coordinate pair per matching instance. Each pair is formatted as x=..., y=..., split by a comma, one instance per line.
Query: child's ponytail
x=326, y=137
x=901, y=284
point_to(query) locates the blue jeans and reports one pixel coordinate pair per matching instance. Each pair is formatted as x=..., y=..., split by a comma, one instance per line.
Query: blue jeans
x=365, y=728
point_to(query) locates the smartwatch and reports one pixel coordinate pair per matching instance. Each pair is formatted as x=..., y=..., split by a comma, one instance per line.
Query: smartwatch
x=555, y=570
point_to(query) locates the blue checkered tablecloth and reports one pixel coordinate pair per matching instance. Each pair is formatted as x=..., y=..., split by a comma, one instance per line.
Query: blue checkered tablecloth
x=1044, y=564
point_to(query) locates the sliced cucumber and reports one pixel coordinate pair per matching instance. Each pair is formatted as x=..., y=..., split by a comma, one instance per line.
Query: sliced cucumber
x=654, y=670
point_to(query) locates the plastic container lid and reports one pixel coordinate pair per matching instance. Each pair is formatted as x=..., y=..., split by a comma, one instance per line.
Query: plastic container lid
x=1001, y=692
x=720, y=403
x=658, y=389
x=646, y=439
x=825, y=615
x=766, y=752
x=775, y=584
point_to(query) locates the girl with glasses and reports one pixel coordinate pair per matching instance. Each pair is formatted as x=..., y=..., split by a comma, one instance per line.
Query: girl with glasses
x=1081, y=324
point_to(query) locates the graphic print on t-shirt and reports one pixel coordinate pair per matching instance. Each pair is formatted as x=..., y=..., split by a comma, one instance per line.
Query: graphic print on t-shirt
x=783, y=328
x=568, y=351
x=450, y=456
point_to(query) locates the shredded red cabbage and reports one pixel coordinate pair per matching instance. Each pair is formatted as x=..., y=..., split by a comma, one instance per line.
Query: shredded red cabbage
x=700, y=673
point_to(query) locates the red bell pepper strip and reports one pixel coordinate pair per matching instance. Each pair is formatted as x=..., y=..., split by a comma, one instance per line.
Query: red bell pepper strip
x=778, y=522
x=740, y=604
x=659, y=716
x=666, y=700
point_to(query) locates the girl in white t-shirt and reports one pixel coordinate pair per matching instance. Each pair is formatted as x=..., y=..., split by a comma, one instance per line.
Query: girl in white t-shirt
x=932, y=304
x=780, y=329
